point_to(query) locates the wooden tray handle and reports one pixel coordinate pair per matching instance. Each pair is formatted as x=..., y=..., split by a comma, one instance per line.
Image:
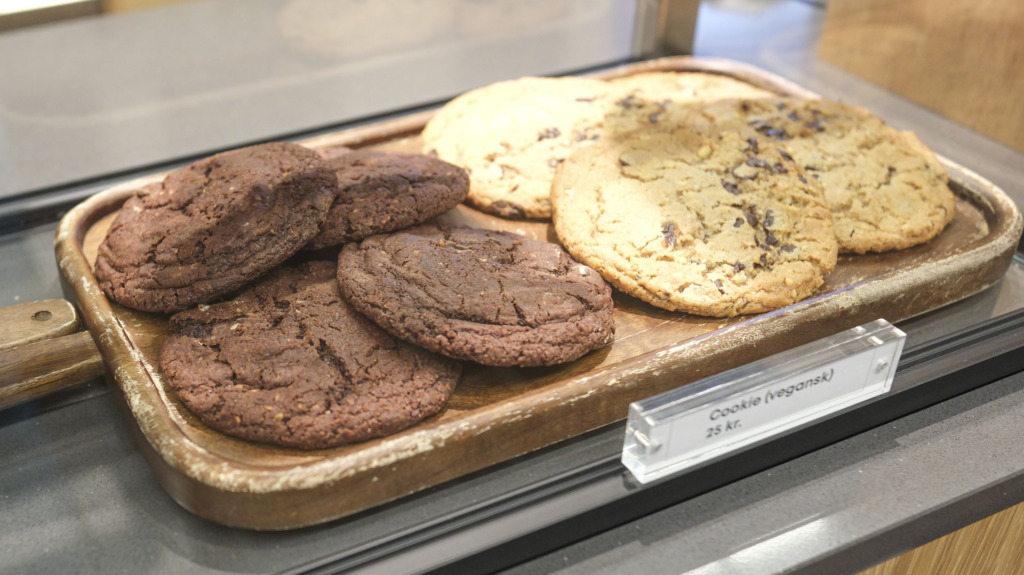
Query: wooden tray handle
x=42, y=350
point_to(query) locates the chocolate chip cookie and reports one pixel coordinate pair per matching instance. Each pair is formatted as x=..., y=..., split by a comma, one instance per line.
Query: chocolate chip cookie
x=213, y=226
x=490, y=297
x=385, y=191
x=886, y=189
x=511, y=135
x=696, y=219
x=639, y=100
x=683, y=87
x=288, y=362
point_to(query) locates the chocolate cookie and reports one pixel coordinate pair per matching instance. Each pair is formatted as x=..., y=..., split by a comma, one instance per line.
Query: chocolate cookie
x=385, y=191
x=213, y=226
x=288, y=362
x=495, y=298
x=885, y=188
x=710, y=222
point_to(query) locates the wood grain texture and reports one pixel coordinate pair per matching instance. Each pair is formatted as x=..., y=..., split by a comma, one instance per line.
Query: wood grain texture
x=40, y=351
x=499, y=413
x=991, y=546
x=36, y=369
x=36, y=320
x=961, y=58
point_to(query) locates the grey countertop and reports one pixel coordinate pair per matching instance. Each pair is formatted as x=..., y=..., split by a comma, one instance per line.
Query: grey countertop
x=76, y=494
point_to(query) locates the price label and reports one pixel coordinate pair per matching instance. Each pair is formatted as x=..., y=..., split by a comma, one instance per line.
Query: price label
x=704, y=420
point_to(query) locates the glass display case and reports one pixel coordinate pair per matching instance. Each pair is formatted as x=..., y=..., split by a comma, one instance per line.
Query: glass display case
x=100, y=102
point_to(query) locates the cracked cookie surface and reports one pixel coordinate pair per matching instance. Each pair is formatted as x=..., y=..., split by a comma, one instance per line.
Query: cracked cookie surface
x=886, y=190
x=490, y=297
x=211, y=227
x=288, y=362
x=696, y=219
x=386, y=191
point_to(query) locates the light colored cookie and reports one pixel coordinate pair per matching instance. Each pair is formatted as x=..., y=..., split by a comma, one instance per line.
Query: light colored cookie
x=511, y=135
x=886, y=189
x=660, y=97
x=695, y=219
x=683, y=87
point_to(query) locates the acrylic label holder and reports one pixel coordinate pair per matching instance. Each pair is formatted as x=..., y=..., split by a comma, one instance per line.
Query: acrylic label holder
x=701, y=421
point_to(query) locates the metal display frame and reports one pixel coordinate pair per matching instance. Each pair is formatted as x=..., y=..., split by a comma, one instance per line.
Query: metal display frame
x=565, y=508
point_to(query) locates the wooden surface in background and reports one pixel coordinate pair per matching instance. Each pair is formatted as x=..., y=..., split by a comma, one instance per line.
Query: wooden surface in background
x=993, y=546
x=961, y=58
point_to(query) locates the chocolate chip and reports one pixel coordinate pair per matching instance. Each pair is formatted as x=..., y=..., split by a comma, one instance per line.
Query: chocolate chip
x=763, y=127
x=738, y=223
x=753, y=144
x=751, y=216
x=584, y=135
x=629, y=102
x=549, y=133
x=668, y=233
x=731, y=188
x=508, y=209
x=662, y=107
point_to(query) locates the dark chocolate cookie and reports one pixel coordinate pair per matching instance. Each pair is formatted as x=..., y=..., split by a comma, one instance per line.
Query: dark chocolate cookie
x=495, y=298
x=288, y=362
x=386, y=191
x=213, y=226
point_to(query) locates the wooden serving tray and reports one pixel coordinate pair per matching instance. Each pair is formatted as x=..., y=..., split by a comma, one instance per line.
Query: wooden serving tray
x=499, y=413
